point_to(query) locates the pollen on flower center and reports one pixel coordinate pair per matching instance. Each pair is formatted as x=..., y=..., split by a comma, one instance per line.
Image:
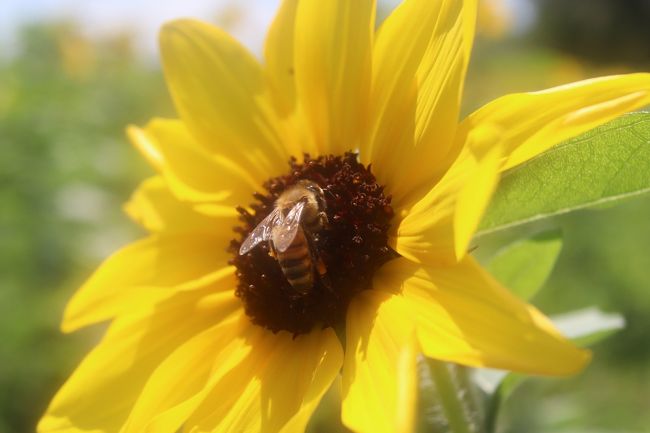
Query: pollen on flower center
x=334, y=260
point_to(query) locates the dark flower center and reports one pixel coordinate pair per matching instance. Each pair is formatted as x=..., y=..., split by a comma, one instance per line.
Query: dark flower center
x=311, y=283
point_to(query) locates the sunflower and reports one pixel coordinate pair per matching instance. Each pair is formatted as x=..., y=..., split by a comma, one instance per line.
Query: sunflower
x=203, y=338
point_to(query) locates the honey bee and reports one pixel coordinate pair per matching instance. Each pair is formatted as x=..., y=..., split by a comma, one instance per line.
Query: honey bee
x=299, y=214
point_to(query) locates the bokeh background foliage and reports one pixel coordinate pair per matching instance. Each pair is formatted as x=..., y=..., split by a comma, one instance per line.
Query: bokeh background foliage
x=66, y=168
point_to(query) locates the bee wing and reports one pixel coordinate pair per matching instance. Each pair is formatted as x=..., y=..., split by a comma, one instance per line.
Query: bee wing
x=260, y=233
x=287, y=230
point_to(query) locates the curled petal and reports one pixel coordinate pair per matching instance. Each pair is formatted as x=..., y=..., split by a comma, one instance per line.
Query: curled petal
x=533, y=122
x=193, y=174
x=420, y=60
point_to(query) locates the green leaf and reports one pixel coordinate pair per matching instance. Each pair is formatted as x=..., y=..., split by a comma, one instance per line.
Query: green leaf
x=498, y=386
x=525, y=265
x=604, y=165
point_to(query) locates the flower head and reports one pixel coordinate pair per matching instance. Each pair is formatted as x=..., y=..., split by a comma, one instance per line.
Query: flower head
x=206, y=335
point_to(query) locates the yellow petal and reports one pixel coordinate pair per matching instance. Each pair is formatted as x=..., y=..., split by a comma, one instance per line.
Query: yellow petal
x=181, y=383
x=379, y=373
x=332, y=65
x=534, y=122
x=147, y=271
x=419, y=65
x=278, y=52
x=154, y=207
x=103, y=389
x=281, y=71
x=220, y=92
x=463, y=315
x=192, y=173
x=276, y=388
x=439, y=227
x=482, y=172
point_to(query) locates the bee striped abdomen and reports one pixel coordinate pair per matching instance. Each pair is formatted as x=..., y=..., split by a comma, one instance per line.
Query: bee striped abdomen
x=296, y=264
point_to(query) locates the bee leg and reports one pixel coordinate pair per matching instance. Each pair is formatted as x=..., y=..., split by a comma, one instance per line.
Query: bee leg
x=322, y=219
x=320, y=267
x=321, y=270
x=326, y=283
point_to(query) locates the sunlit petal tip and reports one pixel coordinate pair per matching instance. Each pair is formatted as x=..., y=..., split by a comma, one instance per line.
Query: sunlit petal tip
x=69, y=324
x=74, y=316
x=621, y=83
x=143, y=143
x=582, y=361
x=174, y=28
x=141, y=205
x=568, y=362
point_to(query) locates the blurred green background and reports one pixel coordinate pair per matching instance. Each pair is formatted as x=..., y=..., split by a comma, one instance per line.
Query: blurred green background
x=66, y=96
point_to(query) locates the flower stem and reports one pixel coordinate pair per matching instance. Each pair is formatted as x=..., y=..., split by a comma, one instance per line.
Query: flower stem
x=448, y=400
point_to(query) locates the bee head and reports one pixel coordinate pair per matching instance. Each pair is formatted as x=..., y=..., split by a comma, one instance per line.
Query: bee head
x=316, y=190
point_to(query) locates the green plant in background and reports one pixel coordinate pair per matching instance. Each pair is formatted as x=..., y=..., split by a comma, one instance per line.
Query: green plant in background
x=64, y=171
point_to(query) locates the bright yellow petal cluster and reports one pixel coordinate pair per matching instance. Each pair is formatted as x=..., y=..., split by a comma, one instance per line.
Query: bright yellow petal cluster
x=181, y=354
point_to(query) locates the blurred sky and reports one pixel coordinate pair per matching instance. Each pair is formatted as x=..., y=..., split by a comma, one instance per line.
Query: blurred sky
x=143, y=18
